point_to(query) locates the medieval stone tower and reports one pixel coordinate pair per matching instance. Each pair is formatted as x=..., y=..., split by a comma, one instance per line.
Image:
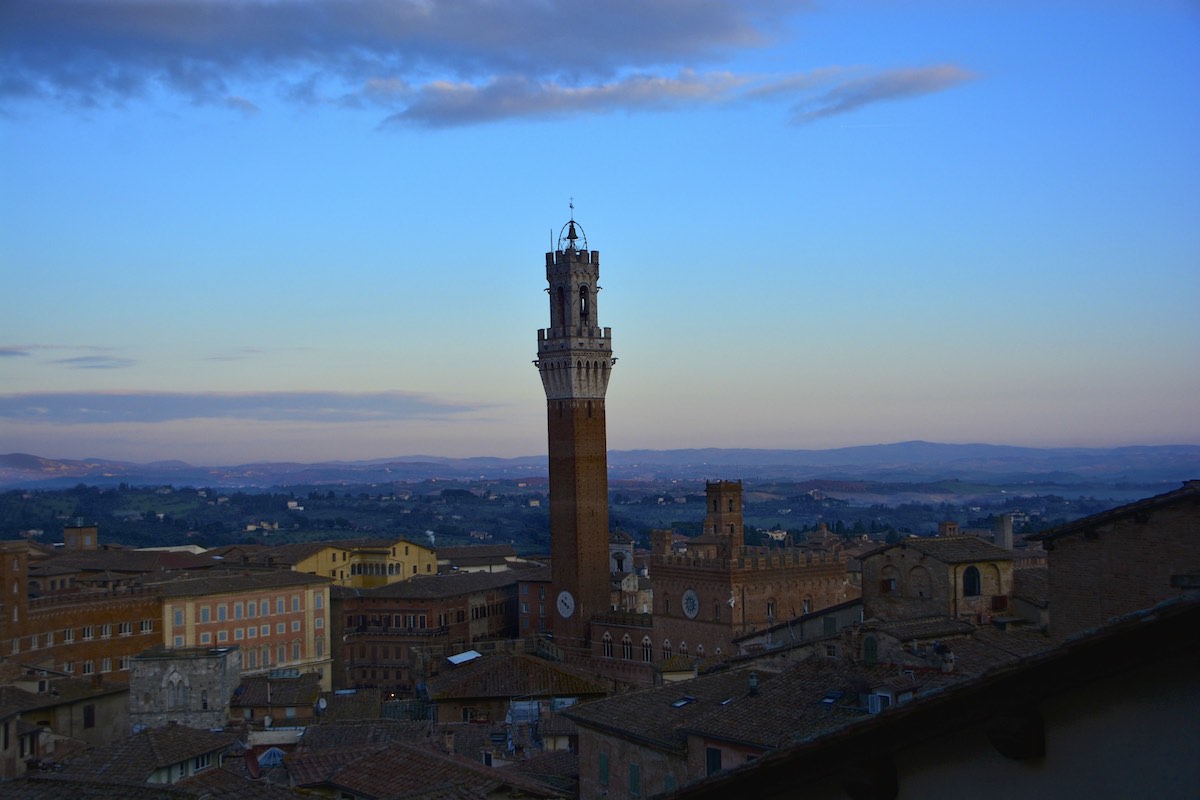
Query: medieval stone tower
x=574, y=359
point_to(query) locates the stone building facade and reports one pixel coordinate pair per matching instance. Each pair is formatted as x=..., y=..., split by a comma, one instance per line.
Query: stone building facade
x=278, y=618
x=960, y=576
x=191, y=686
x=82, y=631
x=382, y=627
x=721, y=589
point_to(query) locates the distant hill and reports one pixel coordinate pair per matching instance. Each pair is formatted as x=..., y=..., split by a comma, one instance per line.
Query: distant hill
x=904, y=461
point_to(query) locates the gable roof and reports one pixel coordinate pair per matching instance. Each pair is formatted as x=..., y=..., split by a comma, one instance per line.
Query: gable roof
x=429, y=587
x=399, y=770
x=948, y=549
x=513, y=675
x=262, y=690
x=232, y=583
x=135, y=758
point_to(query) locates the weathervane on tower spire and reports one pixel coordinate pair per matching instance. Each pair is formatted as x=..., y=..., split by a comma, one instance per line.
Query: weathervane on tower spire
x=571, y=234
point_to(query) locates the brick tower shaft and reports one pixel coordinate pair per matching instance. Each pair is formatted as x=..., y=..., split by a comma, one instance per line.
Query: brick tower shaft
x=575, y=359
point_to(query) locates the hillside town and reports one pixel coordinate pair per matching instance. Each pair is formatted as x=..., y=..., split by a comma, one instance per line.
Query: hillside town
x=1054, y=664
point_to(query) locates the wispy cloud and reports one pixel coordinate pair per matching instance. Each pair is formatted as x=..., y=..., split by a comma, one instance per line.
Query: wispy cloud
x=13, y=352
x=849, y=95
x=444, y=103
x=143, y=407
x=425, y=63
x=96, y=362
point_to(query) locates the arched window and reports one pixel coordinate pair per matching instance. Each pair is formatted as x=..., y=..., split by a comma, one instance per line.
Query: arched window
x=870, y=650
x=627, y=648
x=717, y=610
x=971, y=582
x=583, y=304
x=731, y=504
x=666, y=648
x=607, y=644
x=281, y=653
x=647, y=649
x=919, y=582
x=700, y=650
x=683, y=648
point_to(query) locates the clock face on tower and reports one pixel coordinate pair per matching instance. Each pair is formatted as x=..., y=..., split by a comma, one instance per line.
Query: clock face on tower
x=691, y=604
x=566, y=604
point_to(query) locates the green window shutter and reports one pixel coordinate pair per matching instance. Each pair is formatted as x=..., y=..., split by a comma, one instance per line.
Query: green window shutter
x=604, y=769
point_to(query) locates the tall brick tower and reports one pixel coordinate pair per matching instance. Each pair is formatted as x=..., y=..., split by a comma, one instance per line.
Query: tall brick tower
x=724, y=517
x=574, y=359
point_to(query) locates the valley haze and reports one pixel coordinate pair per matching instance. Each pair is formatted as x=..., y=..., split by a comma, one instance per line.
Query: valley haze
x=1123, y=471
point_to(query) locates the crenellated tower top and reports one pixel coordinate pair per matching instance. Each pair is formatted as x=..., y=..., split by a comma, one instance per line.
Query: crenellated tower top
x=575, y=352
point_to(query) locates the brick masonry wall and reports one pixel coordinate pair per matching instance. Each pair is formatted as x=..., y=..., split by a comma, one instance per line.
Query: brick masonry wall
x=1121, y=566
x=653, y=767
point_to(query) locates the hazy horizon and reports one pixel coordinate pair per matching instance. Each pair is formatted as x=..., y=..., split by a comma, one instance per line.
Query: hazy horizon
x=258, y=231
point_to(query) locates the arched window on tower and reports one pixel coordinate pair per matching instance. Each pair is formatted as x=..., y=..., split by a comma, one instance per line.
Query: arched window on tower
x=731, y=504
x=971, y=582
x=583, y=305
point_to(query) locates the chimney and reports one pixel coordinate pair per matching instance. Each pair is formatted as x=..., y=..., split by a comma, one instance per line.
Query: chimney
x=1002, y=533
x=948, y=528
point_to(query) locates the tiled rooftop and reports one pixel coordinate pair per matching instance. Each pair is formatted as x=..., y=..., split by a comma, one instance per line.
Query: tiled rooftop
x=437, y=586
x=231, y=583
x=135, y=758
x=513, y=675
x=261, y=690
x=950, y=549
x=405, y=771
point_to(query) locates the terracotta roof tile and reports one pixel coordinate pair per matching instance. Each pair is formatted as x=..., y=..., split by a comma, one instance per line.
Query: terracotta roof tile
x=450, y=585
x=231, y=583
x=260, y=690
x=949, y=549
x=135, y=758
x=513, y=675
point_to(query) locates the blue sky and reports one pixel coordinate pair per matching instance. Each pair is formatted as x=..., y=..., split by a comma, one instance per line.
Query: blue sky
x=307, y=229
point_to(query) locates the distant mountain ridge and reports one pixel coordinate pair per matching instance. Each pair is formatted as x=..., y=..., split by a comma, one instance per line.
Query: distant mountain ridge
x=903, y=461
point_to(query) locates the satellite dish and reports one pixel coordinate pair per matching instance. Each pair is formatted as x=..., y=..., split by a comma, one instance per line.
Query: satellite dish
x=322, y=704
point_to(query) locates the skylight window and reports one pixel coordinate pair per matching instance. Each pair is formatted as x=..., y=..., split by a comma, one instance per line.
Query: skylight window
x=683, y=701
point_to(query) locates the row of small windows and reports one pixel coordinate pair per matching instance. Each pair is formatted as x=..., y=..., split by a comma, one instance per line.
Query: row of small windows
x=252, y=632
x=89, y=632
x=378, y=568
x=647, y=648
x=105, y=665
x=245, y=610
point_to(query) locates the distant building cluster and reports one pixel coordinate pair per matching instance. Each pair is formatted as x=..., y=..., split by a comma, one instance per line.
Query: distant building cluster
x=702, y=667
